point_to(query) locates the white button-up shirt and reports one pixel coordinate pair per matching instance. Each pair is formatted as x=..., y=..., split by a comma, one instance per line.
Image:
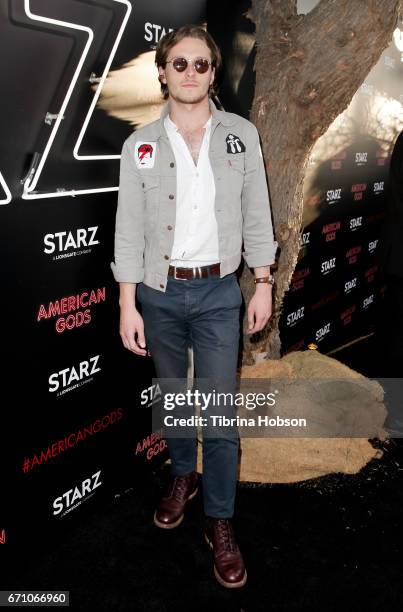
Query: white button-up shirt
x=196, y=231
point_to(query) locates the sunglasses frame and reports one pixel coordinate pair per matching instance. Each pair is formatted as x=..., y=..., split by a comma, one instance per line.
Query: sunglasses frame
x=189, y=61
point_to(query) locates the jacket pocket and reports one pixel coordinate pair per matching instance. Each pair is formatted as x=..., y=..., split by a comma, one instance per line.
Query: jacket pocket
x=236, y=174
x=150, y=181
x=151, y=189
x=236, y=163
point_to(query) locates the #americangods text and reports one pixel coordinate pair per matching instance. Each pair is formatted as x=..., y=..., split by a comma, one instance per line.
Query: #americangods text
x=72, y=303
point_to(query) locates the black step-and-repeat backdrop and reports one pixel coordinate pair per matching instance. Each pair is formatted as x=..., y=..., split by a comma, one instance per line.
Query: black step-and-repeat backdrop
x=76, y=423
x=77, y=77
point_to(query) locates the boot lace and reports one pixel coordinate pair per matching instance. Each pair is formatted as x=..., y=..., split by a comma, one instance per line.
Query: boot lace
x=226, y=534
x=178, y=488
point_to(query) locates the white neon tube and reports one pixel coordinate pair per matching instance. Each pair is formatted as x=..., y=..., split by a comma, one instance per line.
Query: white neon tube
x=68, y=192
x=29, y=185
x=8, y=197
x=99, y=88
x=32, y=183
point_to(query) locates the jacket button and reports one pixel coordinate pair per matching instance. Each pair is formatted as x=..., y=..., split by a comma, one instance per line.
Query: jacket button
x=166, y=256
x=142, y=184
x=161, y=285
x=169, y=227
x=172, y=165
x=171, y=196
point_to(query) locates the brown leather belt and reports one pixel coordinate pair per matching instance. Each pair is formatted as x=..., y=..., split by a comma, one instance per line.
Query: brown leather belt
x=196, y=272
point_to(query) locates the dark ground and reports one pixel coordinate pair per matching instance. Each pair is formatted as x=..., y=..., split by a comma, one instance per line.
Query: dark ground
x=332, y=543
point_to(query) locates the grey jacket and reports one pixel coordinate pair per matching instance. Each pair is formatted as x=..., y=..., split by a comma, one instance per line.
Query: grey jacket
x=145, y=218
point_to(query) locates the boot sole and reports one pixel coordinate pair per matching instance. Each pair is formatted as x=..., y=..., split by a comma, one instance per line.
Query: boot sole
x=227, y=585
x=178, y=521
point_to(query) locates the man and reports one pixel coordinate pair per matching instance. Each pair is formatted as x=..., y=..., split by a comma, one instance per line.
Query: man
x=192, y=187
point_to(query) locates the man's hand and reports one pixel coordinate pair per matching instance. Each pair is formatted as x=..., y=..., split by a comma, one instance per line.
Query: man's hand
x=131, y=324
x=260, y=308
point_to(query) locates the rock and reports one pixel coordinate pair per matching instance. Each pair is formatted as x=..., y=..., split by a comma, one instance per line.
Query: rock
x=334, y=399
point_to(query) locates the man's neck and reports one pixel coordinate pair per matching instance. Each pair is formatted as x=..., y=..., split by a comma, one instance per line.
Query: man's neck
x=189, y=116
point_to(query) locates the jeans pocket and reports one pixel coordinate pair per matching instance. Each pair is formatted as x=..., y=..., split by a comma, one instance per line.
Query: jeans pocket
x=236, y=292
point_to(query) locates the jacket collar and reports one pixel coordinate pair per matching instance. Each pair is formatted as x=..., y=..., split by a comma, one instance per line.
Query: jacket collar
x=218, y=116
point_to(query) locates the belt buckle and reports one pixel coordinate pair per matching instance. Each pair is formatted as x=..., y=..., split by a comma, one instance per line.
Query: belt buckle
x=178, y=277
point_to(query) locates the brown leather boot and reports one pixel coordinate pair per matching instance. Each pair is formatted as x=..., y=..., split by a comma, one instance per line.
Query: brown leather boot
x=229, y=568
x=169, y=513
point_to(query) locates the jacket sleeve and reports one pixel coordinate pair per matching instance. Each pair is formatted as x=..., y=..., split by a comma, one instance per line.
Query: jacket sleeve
x=259, y=244
x=128, y=266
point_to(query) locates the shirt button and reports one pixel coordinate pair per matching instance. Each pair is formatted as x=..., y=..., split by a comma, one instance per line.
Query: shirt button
x=171, y=196
x=166, y=256
x=142, y=184
x=161, y=285
x=172, y=165
x=169, y=227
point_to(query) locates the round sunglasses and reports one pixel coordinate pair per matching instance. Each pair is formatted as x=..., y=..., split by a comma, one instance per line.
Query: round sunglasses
x=200, y=64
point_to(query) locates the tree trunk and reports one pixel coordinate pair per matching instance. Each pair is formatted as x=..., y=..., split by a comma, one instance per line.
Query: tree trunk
x=308, y=67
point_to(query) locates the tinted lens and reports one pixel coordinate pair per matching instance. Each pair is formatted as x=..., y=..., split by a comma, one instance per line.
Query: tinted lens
x=180, y=64
x=201, y=65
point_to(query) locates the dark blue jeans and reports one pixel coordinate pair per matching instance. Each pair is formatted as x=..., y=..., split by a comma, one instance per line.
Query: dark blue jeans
x=205, y=314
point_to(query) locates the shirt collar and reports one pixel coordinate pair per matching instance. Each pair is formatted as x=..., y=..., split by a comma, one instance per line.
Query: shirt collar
x=217, y=116
x=172, y=128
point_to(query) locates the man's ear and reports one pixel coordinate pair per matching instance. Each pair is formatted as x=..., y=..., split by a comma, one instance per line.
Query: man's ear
x=161, y=75
x=212, y=76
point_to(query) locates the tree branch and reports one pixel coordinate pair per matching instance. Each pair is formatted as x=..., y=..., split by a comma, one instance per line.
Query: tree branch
x=338, y=45
x=276, y=17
